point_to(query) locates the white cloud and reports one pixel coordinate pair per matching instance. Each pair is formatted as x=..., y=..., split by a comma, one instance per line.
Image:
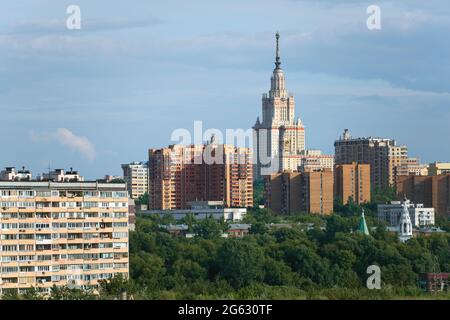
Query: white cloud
x=67, y=138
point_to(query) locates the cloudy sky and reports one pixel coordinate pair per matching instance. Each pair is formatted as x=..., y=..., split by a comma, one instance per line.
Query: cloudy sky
x=137, y=70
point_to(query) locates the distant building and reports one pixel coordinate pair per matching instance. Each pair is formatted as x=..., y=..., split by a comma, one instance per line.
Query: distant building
x=434, y=282
x=412, y=166
x=10, y=174
x=59, y=175
x=109, y=178
x=238, y=230
x=291, y=192
x=181, y=174
x=315, y=160
x=135, y=175
x=202, y=210
x=352, y=181
x=383, y=155
x=178, y=230
x=419, y=215
x=438, y=168
x=432, y=191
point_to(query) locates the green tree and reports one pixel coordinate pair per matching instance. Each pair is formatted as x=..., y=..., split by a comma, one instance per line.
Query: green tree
x=208, y=228
x=241, y=262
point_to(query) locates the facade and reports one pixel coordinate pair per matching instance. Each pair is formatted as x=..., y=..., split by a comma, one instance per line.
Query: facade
x=432, y=191
x=420, y=216
x=279, y=139
x=135, y=175
x=293, y=192
x=59, y=233
x=11, y=174
x=202, y=210
x=182, y=174
x=352, y=181
x=438, y=168
x=412, y=166
x=383, y=155
x=315, y=160
x=238, y=230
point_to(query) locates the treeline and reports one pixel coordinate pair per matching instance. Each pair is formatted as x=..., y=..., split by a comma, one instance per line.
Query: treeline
x=328, y=261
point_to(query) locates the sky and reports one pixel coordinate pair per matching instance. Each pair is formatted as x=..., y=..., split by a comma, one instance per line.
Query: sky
x=137, y=70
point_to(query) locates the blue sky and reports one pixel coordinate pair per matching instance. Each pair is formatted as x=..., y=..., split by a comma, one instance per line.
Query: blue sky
x=137, y=70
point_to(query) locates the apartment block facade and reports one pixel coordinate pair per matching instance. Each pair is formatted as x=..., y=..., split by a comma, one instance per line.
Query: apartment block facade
x=308, y=191
x=432, y=191
x=135, y=175
x=62, y=233
x=179, y=175
x=437, y=168
x=383, y=155
x=352, y=181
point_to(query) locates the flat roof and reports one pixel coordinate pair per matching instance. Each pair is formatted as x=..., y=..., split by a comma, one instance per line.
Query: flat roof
x=89, y=185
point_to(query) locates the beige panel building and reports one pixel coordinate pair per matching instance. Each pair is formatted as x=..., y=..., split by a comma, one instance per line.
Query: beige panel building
x=59, y=233
x=352, y=181
x=135, y=175
x=383, y=155
x=310, y=191
x=438, y=168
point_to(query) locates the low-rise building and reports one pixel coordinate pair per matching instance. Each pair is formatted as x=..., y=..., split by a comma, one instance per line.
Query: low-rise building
x=59, y=175
x=202, y=210
x=238, y=230
x=419, y=215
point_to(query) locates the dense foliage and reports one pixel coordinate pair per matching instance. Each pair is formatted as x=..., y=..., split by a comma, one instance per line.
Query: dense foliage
x=328, y=260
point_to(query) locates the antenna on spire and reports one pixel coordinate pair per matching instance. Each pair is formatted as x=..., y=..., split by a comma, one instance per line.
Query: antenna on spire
x=277, y=57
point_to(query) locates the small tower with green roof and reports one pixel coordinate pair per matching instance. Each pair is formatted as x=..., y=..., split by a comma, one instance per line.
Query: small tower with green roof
x=362, y=227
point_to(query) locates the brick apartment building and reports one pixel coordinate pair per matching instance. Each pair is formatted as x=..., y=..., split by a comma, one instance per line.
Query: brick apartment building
x=352, y=181
x=182, y=174
x=292, y=192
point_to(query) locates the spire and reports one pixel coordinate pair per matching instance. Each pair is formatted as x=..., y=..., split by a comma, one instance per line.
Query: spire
x=277, y=56
x=362, y=227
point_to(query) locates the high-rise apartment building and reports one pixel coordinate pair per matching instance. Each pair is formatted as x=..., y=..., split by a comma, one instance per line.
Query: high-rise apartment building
x=62, y=233
x=309, y=191
x=432, y=191
x=352, y=181
x=383, y=155
x=182, y=174
x=135, y=175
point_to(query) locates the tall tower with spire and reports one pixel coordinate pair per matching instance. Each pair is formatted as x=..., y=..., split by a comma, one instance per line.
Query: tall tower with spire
x=279, y=138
